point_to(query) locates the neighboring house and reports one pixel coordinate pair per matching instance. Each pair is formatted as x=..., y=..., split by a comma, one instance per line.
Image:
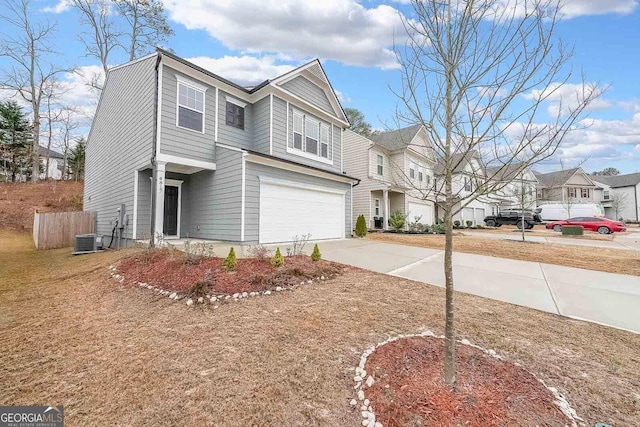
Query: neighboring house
x=567, y=186
x=619, y=195
x=191, y=154
x=468, y=172
x=396, y=171
x=56, y=163
x=516, y=180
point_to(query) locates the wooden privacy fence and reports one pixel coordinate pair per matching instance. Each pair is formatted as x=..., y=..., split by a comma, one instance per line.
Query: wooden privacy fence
x=59, y=229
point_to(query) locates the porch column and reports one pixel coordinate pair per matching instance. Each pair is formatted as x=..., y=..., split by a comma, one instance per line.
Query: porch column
x=159, y=202
x=385, y=198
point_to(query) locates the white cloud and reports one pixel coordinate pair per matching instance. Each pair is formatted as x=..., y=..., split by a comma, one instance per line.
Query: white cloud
x=244, y=70
x=569, y=96
x=344, y=99
x=571, y=8
x=59, y=7
x=343, y=30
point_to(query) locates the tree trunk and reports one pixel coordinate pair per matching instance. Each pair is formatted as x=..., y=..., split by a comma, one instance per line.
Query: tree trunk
x=35, y=155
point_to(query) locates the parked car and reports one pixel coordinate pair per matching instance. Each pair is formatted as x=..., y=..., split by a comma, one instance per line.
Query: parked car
x=560, y=211
x=601, y=225
x=513, y=217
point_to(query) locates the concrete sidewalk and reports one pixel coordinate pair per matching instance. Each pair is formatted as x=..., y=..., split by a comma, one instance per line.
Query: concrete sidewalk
x=606, y=298
x=629, y=241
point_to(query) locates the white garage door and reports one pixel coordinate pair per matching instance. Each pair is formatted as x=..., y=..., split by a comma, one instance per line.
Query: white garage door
x=467, y=213
x=480, y=216
x=287, y=210
x=418, y=209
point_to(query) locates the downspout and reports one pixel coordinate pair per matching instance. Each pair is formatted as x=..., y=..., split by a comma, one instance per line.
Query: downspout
x=154, y=190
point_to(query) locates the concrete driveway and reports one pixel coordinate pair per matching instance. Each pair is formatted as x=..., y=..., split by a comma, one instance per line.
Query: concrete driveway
x=606, y=298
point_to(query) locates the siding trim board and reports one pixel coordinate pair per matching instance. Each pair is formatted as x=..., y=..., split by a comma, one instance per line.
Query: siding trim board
x=243, y=196
x=216, y=124
x=134, y=232
x=167, y=158
x=271, y=123
x=279, y=163
x=297, y=184
x=159, y=109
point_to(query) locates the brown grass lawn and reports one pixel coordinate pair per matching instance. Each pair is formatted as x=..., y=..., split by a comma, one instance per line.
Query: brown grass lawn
x=115, y=355
x=600, y=259
x=18, y=201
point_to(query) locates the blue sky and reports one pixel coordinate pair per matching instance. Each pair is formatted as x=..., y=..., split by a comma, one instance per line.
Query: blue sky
x=248, y=41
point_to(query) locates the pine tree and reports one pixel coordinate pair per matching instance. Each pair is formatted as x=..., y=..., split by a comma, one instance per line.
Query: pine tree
x=277, y=260
x=361, y=226
x=229, y=263
x=15, y=141
x=316, y=255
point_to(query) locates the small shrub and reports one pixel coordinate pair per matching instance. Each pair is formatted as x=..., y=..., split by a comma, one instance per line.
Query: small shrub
x=204, y=286
x=456, y=223
x=277, y=260
x=299, y=242
x=361, y=226
x=190, y=255
x=259, y=251
x=229, y=263
x=316, y=255
x=397, y=220
x=480, y=226
x=469, y=223
x=437, y=229
x=76, y=202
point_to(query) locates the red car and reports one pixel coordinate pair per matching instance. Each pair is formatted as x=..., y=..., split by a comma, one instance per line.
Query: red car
x=601, y=225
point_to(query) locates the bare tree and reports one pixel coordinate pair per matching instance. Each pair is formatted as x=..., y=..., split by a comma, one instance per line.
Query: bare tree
x=52, y=115
x=475, y=74
x=147, y=25
x=68, y=124
x=102, y=35
x=27, y=46
x=618, y=203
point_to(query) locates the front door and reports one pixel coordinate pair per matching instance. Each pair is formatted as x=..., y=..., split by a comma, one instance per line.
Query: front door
x=170, y=210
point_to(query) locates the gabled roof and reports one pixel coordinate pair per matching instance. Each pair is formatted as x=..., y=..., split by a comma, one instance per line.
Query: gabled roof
x=555, y=179
x=628, y=180
x=396, y=139
x=314, y=67
x=460, y=161
x=44, y=151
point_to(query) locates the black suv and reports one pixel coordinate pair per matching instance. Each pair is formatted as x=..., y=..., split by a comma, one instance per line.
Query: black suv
x=513, y=217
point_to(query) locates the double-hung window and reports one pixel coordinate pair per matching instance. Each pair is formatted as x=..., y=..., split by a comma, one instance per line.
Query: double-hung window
x=311, y=135
x=420, y=174
x=190, y=107
x=377, y=207
x=606, y=195
x=380, y=165
x=298, y=131
x=468, y=184
x=324, y=141
x=572, y=192
x=584, y=193
x=412, y=171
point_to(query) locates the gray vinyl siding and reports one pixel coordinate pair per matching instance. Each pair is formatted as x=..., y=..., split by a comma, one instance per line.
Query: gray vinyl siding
x=214, y=211
x=310, y=92
x=144, y=204
x=261, y=125
x=356, y=164
x=182, y=142
x=280, y=137
x=252, y=194
x=120, y=141
x=230, y=135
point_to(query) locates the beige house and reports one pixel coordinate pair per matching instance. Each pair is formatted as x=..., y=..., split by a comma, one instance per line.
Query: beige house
x=396, y=169
x=571, y=185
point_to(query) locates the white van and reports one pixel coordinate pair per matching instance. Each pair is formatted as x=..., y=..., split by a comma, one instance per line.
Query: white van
x=562, y=211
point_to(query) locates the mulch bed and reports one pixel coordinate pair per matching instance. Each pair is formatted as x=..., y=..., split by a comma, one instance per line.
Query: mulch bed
x=410, y=390
x=172, y=270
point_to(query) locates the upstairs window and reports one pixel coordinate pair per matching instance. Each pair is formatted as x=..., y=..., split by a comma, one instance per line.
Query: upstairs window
x=412, y=171
x=235, y=115
x=324, y=141
x=468, y=185
x=584, y=193
x=297, y=131
x=312, y=135
x=380, y=165
x=572, y=192
x=190, y=107
x=420, y=175
x=606, y=195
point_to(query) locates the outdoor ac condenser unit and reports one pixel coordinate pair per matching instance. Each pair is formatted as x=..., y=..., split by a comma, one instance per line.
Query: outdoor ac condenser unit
x=87, y=243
